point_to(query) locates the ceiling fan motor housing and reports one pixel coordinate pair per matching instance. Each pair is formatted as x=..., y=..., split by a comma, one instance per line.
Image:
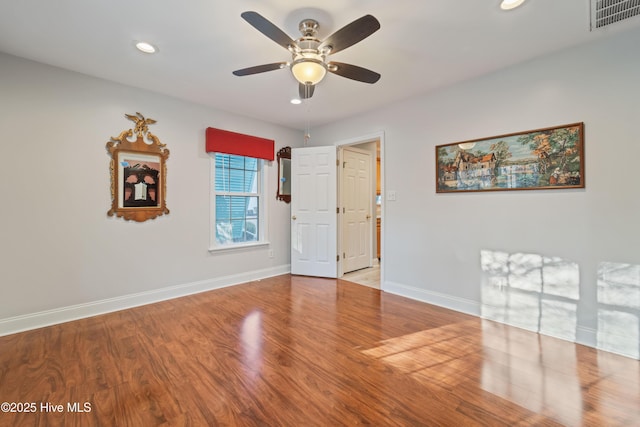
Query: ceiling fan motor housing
x=308, y=27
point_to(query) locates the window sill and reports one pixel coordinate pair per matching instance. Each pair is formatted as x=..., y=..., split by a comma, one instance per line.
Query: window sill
x=238, y=247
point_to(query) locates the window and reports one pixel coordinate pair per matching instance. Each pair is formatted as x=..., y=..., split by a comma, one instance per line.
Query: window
x=238, y=214
x=237, y=199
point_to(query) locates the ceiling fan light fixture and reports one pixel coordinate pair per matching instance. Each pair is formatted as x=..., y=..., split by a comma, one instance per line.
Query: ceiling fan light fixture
x=510, y=4
x=308, y=70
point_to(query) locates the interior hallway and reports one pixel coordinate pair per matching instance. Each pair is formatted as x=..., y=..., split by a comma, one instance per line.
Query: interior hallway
x=367, y=276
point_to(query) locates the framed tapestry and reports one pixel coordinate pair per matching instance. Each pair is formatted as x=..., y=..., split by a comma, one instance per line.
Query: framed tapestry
x=549, y=158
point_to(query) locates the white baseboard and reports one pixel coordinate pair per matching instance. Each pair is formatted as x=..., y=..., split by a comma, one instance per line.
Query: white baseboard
x=12, y=325
x=447, y=301
x=587, y=336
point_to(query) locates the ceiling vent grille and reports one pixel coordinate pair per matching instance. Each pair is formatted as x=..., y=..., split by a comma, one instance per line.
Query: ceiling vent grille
x=607, y=12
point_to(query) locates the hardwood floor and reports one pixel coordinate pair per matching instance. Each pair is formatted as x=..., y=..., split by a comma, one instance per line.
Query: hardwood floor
x=300, y=351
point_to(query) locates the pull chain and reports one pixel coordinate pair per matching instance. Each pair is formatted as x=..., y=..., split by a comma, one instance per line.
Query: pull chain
x=307, y=135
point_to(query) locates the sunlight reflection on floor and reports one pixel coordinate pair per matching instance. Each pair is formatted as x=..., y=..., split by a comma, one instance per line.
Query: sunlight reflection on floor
x=542, y=374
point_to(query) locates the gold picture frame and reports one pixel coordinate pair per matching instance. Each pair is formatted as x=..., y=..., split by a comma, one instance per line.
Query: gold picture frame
x=138, y=172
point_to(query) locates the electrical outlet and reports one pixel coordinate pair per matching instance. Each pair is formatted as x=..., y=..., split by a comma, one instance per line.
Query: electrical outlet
x=391, y=196
x=270, y=253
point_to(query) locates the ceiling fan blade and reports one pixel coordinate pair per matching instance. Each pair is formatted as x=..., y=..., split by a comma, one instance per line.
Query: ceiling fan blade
x=305, y=91
x=351, y=34
x=353, y=72
x=260, y=69
x=267, y=28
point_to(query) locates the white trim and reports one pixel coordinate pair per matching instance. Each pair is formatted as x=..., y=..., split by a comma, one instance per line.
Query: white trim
x=238, y=246
x=602, y=341
x=12, y=325
x=371, y=137
x=586, y=336
x=441, y=300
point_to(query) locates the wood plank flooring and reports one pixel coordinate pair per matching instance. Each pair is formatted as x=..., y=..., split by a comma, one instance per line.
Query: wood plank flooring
x=300, y=351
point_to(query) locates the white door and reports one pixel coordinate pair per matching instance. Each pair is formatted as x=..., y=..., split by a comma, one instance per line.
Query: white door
x=356, y=193
x=313, y=211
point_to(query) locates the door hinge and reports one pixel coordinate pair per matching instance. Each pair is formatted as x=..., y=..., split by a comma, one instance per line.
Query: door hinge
x=337, y=162
x=337, y=210
x=337, y=257
x=344, y=165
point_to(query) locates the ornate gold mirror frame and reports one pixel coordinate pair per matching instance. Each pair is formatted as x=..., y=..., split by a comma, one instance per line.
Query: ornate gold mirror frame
x=138, y=173
x=284, y=175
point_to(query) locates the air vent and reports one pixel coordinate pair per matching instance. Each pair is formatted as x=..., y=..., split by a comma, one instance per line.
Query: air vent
x=607, y=12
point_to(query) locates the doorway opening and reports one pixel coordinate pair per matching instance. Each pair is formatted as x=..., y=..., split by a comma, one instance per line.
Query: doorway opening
x=352, y=240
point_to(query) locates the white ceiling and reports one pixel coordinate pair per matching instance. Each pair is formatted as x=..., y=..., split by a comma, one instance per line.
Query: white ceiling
x=421, y=46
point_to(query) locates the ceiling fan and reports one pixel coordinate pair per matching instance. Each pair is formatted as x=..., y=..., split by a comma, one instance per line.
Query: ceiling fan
x=309, y=62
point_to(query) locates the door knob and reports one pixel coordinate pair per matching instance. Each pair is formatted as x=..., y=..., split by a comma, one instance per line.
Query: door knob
x=294, y=218
x=368, y=216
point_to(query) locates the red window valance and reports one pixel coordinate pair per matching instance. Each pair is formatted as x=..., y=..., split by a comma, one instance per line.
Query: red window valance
x=224, y=141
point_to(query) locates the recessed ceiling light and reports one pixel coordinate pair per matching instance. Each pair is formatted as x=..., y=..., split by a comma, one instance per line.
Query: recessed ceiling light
x=146, y=47
x=296, y=101
x=510, y=4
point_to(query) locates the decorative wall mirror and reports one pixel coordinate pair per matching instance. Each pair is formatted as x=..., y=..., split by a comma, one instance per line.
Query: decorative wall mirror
x=284, y=175
x=138, y=173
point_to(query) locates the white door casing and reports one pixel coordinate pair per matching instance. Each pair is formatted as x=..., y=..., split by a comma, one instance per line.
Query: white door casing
x=313, y=211
x=356, y=205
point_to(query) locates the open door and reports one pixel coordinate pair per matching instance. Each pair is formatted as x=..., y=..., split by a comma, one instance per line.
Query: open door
x=357, y=222
x=314, y=221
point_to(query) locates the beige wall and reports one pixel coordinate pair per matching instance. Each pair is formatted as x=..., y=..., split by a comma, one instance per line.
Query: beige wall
x=433, y=242
x=59, y=250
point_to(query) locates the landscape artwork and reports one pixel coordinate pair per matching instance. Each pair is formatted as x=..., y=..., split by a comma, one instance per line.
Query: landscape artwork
x=549, y=158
